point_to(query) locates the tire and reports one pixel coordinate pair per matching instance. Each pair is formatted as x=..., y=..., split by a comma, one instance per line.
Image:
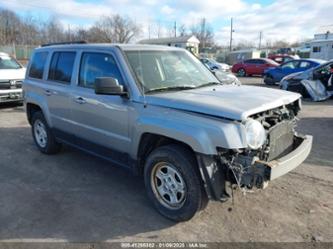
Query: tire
x=42, y=134
x=180, y=164
x=268, y=79
x=241, y=72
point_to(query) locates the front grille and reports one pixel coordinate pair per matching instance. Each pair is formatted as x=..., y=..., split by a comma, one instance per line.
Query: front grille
x=281, y=139
x=10, y=84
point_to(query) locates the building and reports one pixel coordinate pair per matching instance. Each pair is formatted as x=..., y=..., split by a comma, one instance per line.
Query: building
x=189, y=42
x=240, y=55
x=322, y=45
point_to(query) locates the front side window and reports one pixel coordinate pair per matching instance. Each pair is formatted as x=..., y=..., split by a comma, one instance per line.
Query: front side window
x=168, y=69
x=61, y=67
x=38, y=65
x=7, y=62
x=94, y=65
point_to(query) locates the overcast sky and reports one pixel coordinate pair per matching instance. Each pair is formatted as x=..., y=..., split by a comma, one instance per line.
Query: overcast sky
x=290, y=20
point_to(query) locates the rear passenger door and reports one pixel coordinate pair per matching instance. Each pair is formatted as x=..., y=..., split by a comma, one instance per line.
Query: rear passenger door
x=99, y=119
x=57, y=89
x=250, y=66
x=260, y=66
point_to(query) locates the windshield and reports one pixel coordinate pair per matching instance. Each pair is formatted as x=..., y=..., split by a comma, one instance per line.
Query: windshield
x=7, y=62
x=168, y=70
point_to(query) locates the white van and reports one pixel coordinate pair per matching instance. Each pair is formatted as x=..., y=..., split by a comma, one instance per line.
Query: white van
x=11, y=77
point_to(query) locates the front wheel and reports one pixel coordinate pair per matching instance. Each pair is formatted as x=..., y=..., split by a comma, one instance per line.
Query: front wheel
x=173, y=182
x=268, y=79
x=241, y=72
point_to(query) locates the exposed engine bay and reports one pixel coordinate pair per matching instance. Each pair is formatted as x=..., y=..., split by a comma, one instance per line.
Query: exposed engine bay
x=249, y=168
x=280, y=126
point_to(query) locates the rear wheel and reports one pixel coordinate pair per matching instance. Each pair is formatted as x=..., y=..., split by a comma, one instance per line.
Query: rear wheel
x=173, y=182
x=241, y=72
x=42, y=134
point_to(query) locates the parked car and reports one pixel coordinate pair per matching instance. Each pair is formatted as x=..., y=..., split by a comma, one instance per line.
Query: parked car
x=282, y=58
x=214, y=65
x=226, y=77
x=316, y=82
x=11, y=77
x=253, y=67
x=162, y=114
x=274, y=75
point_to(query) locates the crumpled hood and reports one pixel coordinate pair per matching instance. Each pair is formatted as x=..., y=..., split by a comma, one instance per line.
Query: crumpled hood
x=12, y=74
x=227, y=101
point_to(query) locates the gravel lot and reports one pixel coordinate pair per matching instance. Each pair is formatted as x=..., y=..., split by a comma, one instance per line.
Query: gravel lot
x=75, y=197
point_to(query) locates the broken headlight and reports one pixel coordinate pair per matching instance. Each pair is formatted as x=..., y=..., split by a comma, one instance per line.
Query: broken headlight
x=255, y=134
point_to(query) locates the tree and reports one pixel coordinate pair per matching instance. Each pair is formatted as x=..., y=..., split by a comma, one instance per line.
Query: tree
x=182, y=30
x=204, y=32
x=115, y=29
x=9, y=27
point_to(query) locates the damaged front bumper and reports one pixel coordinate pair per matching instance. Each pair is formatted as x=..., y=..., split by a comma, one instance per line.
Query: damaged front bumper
x=283, y=165
x=248, y=172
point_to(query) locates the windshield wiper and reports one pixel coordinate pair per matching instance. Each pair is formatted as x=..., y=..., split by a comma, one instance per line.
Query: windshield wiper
x=210, y=84
x=170, y=88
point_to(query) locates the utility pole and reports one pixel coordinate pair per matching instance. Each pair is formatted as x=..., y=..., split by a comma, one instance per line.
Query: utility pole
x=175, y=27
x=69, y=32
x=158, y=29
x=149, y=30
x=231, y=31
x=203, y=33
x=260, y=38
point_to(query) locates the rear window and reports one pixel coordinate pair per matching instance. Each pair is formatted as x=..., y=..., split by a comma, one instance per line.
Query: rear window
x=61, y=67
x=37, y=65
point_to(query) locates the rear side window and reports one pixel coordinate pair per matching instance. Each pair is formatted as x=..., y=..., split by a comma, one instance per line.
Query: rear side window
x=251, y=61
x=259, y=62
x=94, y=65
x=37, y=65
x=304, y=64
x=61, y=67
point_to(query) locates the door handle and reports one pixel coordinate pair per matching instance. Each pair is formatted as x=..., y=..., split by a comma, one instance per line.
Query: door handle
x=80, y=100
x=47, y=92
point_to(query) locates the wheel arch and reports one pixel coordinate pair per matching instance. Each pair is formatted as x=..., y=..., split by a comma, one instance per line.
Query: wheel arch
x=31, y=109
x=150, y=141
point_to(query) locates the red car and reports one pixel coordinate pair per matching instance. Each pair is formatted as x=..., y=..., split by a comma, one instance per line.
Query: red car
x=253, y=67
x=282, y=58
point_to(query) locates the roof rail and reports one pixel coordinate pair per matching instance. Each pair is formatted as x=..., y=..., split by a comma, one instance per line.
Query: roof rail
x=64, y=43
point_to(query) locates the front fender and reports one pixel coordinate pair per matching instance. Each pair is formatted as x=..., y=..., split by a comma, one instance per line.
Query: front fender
x=201, y=132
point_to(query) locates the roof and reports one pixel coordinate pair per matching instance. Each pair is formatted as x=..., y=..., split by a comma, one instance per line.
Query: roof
x=319, y=61
x=244, y=51
x=166, y=40
x=125, y=47
x=321, y=40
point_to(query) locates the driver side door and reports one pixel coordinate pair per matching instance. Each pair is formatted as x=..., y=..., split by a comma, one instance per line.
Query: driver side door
x=101, y=120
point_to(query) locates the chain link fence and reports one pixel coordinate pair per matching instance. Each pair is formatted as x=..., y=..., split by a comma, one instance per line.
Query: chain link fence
x=20, y=52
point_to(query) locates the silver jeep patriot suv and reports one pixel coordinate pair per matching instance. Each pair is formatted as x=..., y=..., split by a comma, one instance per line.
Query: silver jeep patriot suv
x=160, y=112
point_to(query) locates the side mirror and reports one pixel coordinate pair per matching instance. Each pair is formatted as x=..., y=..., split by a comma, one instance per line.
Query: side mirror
x=109, y=86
